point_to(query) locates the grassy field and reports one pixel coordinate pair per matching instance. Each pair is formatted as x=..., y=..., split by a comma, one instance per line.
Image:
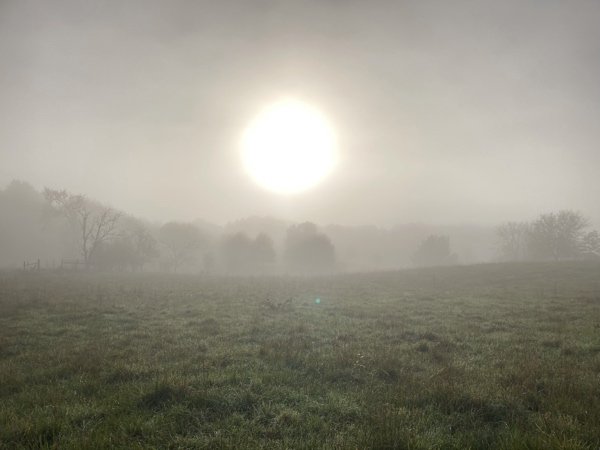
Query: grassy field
x=491, y=356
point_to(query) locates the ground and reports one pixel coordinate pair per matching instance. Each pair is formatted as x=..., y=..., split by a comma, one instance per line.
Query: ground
x=491, y=356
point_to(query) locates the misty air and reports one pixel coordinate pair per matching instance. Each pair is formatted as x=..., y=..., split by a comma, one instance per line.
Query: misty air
x=276, y=224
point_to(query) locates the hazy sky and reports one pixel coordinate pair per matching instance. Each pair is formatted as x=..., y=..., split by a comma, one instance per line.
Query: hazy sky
x=446, y=112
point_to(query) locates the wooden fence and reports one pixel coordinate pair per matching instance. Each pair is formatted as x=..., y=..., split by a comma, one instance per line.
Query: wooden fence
x=71, y=264
x=35, y=265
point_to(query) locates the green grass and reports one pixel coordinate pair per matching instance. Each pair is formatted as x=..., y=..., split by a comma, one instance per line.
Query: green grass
x=491, y=356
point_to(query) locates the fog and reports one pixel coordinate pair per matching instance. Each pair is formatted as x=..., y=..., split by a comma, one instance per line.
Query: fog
x=295, y=224
x=454, y=116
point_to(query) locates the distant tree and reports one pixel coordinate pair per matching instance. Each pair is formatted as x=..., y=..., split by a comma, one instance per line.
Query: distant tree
x=557, y=235
x=95, y=224
x=590, y=245
x=116, y=254
x=130, y=250
x=144, y=245
x=27, y=232
x=241, y=254
x=182, y=241
x=434, y=251
x=512, y=240
x=307, y=250
x=20, y=192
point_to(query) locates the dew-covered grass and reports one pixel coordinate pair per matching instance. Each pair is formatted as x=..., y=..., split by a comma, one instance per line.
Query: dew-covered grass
x=491, y=356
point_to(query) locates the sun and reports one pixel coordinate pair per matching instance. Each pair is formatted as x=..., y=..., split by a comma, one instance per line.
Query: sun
x=289, y=147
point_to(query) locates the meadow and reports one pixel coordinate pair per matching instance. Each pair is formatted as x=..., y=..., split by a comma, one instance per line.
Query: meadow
x=497, y=356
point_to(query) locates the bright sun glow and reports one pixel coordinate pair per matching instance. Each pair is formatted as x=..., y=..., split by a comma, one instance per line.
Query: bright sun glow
x=289, y=147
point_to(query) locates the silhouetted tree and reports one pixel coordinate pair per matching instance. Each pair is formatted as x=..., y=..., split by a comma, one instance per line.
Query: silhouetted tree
x=182, y=241
x=434, y=251
x=557, y=235
x=117, y=254
x=96, y=224
x=129, y=249
x=513, y=240
x=241, y=254
x=307, y=250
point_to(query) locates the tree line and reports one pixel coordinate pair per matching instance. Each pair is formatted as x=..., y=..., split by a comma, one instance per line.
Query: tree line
x=561, y=235
x=554, y=236
x=56, y=225
x=110, y=240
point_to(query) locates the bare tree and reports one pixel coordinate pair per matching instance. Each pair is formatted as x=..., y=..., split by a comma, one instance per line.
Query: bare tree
x=96, y=224
x=557, y=235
